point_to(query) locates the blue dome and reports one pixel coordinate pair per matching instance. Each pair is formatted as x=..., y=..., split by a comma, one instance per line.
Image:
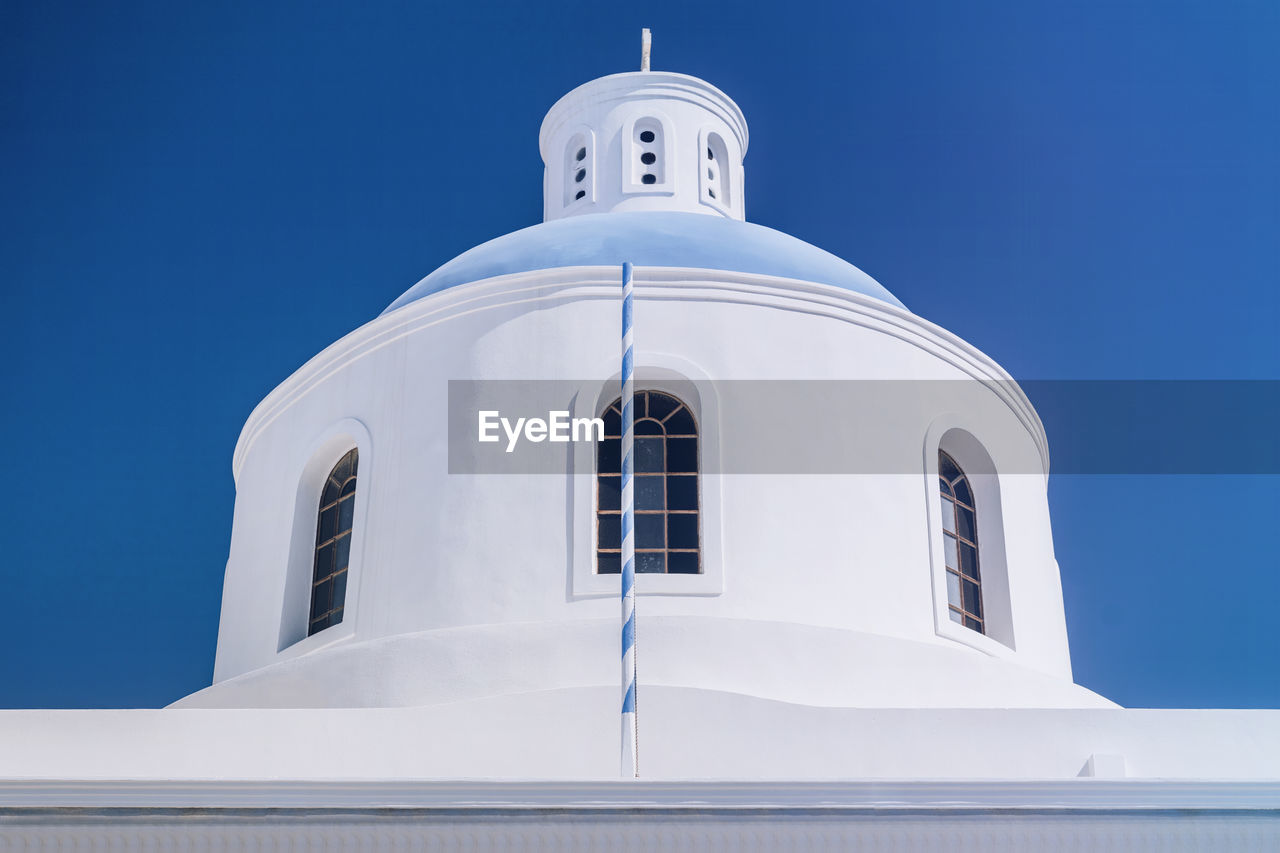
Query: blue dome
x=649, y=239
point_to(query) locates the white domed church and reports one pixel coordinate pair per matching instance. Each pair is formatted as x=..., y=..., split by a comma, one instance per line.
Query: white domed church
x=849, y=623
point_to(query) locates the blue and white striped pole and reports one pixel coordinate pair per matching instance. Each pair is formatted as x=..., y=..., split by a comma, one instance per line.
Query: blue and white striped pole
x=630, y=737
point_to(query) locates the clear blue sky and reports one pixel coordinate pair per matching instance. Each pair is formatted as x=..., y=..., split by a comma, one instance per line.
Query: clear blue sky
x=197, y=198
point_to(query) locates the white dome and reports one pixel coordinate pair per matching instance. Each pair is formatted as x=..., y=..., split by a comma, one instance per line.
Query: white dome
x=813, y=590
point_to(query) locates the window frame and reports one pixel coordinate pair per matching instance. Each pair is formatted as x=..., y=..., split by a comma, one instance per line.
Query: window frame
x=631, y=181
x=690, y=384
x=644, y=399
x=582, y=137
x=955, y=435
x=311, y=470
x=343, y=502
x=725, y=170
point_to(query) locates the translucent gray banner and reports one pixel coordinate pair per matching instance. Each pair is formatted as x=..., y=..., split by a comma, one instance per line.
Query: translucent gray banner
x=878, y=426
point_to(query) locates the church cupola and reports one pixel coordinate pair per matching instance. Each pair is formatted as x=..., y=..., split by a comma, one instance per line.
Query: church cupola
x=647, y=140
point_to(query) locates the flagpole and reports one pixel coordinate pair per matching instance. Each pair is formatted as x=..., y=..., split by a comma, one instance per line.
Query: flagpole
x=630, y=736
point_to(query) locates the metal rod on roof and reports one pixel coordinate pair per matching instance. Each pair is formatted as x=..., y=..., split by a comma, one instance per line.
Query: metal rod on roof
x=645, y=41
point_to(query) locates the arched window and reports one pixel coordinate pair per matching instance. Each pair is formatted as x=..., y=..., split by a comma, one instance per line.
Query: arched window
x=960, y=545
x=333, y=545
x=715, y=166
x=666, y=488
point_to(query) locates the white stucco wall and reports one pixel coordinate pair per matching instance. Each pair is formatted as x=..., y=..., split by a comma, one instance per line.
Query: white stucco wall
x=819, y=589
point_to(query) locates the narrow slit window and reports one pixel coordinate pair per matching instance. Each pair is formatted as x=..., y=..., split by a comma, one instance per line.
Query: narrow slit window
x=648, y=168
x=960, y=545
x=667, y=535
x=333, y=545
x=715, y=166
x=577, y=170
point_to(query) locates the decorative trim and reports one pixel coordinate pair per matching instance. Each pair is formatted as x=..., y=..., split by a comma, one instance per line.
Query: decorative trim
x=604, y=795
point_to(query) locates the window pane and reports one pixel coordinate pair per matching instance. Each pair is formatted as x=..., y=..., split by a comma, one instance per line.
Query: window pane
x=681, y=423
x=970, y=622
x=348, y=488
x=346, y=514
x=948, y=515
x=682, y=492
x=342, y=471
x=609, y=456
x=609, y=564
x=610, y=532
x=969, y=560
x=649, y=492
x=661, y=405
x=330, y=493
x=944, y=487
x=965, y=525
x=649, y=427
x=962, y=491
x=324, y=562
x=949, y=548
x=650, y=532
x=649, y=563
x=328, y=525
x=612, y=422
x=955, y=617
x=342, y=558
x=320, y=597
x=335, y=617
x=972, y=598
x=682, y=454
x=339, y=589
x=319, y=624
x=609, y=492
x=682, y=531
x=947, y=469
x=682, y=563
x=649, y=455
x=953, y=589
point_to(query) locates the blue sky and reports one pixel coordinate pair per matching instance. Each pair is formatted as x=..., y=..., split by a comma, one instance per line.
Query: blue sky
x=196, y=199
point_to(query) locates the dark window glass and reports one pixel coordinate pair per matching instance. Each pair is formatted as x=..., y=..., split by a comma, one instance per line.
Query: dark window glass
x=682, y=492
x=646, y=136
x=650, y=493
x=666, y=487
x=650, y=532
x=682, y=563
x=682, y=530
x=649, y=179
x=333, y=544
x=648, y=158
x=960, y=536
x=609, y=492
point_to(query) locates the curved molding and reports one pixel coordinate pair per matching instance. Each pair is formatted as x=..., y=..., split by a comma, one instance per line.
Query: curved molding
x=628, y=86
x=540, y=288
